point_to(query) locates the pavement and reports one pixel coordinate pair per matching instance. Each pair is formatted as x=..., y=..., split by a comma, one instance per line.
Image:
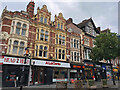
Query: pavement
x=69, y=87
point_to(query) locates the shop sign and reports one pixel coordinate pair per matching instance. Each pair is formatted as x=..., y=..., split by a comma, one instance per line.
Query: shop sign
x=15, y=60
x=97, y=66
x=73, y=70
x=59, y=80
x=86, y=64
x=51, y=63
x=74, y=66
x=104, y=66
x=115, y=70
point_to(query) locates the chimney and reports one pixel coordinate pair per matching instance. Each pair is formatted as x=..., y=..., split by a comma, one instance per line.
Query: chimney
x=30, y=8
x=69, y=21
x=98, y=28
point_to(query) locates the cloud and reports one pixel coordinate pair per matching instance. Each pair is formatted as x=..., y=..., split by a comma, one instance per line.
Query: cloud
x=104, y=14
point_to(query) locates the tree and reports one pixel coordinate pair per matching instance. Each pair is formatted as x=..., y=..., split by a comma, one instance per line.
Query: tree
x=106, y=47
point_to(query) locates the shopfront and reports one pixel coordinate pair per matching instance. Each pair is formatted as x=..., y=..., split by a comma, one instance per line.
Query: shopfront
x=47, y=72
x=14, y=71
x=97, y=72
x=115, y=71
x=89, y=70
x=76, y=72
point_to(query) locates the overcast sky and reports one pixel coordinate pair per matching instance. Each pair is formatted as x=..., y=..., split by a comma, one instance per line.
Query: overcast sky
x=104, y=14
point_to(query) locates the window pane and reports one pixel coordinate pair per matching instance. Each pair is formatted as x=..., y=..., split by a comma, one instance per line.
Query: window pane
x=59, y=53
x=77, y=44
x=21, y=51
x=46, y=32
x=40, y=53
x=41, y=19
x=63, y=42
x=59, y=56
x=56, y=39
x=18, y=31
x=15, y=42
x=45, y=20
x=41, y=47
x=58, y=25
x=59, y=50
x=61, y=26
x=41, y=36
x=74, y=42
x=45, y=53
x=63, y=51
x=18, y=24
x=46, y=37
x=45, y=48
x=24, y=26
x=36, y=50
x=15, y=49
x=63, y=56
x=37, y=36
x=74, y=56
x=78, y=57
x=56, y=53
x=42, y=31
x=23, y=32
x=22, y=44
x=59, y=41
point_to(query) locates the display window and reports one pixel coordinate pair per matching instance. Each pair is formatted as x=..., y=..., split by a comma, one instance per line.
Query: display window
x=59, y=75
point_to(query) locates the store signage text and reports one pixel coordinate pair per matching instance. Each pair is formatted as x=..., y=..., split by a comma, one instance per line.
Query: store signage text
x=12, y=60
x=74, y=66
x=52, y=63
x=89, y=65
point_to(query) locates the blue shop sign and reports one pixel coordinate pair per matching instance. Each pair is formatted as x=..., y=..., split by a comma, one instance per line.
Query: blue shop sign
x=104, y=66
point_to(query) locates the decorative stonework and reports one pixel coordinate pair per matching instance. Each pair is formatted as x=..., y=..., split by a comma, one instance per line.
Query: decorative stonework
x=4, y=35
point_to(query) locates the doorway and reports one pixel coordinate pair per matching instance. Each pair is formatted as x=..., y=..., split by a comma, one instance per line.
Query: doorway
x=38, y=75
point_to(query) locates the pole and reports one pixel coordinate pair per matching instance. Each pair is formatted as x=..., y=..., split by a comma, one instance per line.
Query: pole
x=68, y=76
x=29, y=74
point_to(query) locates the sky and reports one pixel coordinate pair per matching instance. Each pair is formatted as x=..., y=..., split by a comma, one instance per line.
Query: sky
x=103, y=13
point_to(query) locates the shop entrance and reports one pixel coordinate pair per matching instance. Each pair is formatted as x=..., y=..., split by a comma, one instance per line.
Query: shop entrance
x=38, y=74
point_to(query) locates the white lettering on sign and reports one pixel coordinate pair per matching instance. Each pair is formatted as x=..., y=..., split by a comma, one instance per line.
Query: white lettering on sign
x=50, y=63
x=13, y=60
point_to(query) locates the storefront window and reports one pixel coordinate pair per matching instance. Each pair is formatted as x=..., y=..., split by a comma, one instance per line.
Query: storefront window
x=59, y=74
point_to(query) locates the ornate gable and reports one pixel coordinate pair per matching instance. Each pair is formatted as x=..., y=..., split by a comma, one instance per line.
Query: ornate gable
x=60, y=22
x=43, y=15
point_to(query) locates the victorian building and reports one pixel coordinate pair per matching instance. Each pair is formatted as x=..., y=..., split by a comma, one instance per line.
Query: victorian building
x=90, y=32
x=46, y=40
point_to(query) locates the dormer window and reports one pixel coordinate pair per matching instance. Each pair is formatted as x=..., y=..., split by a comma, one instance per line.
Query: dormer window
x=58, y=25
x=41, y=19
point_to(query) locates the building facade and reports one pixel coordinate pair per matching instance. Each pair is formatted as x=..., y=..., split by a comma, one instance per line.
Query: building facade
x=59, y=50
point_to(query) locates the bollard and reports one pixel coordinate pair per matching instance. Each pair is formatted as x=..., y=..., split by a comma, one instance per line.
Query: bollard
x=21, y=87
